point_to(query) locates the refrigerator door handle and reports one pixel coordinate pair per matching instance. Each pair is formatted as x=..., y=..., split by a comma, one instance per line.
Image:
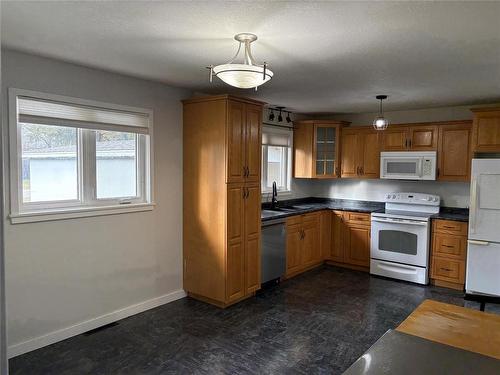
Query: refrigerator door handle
x=476, y=242
x=473, y=205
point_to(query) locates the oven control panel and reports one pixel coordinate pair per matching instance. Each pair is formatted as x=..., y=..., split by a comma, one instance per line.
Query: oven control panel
x=413, y=198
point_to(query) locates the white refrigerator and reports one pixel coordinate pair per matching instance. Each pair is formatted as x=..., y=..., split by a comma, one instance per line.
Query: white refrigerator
x=483, y=253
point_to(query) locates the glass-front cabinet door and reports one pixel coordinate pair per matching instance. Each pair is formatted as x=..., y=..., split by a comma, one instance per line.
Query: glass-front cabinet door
x=326, y=150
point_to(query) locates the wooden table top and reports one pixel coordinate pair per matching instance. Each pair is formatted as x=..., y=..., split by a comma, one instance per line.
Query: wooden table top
x=456, y=326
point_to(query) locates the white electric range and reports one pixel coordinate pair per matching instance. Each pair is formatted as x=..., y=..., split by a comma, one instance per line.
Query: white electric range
x=400, y=236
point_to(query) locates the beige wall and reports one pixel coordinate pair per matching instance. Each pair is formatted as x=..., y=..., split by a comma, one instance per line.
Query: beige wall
x=63, y=273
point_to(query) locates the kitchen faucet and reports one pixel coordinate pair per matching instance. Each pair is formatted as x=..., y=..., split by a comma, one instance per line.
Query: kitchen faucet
x=274, y=200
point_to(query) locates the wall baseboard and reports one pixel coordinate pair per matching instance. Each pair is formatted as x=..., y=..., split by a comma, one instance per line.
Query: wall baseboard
x=79, y=328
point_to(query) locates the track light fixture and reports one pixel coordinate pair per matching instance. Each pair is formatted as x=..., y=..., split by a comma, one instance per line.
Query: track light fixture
x=271, y=115
x=281, y=111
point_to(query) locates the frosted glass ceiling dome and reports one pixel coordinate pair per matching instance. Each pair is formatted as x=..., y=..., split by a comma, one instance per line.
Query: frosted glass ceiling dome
x=244, y=75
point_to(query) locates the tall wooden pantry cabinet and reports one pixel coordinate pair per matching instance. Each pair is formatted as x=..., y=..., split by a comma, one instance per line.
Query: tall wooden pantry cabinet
x=221, y=198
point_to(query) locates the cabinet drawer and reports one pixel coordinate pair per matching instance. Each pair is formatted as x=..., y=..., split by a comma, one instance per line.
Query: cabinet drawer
x=451, y=227
x=357, y=218
x=312, y=217
x=448, y=270
x=292, y=220
x=449, y=246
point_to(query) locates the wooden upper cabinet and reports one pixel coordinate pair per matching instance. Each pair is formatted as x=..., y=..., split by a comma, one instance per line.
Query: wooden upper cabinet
x=244, y=142
x=350, y=149
x=417, y=137
x=316, y=148
x=235, y=142
x=360, y=153
x=371, y=155
x=454, y=151
x=486, y=129
x=423, y=138
x=253, y=154
x=395, y=138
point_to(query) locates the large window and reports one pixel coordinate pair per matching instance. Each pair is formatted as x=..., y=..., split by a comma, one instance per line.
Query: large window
x=70, y=155
x=276, y=158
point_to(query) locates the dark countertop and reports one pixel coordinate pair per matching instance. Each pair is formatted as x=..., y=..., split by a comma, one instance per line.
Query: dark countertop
x=453, y=213
x=399, y=353
x=301, y=206
x=305, y=205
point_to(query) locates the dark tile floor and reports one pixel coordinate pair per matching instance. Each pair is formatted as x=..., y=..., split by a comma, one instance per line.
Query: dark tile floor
x=316, y=323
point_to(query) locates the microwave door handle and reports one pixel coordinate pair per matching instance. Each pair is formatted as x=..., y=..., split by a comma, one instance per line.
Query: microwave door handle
x=420, y=167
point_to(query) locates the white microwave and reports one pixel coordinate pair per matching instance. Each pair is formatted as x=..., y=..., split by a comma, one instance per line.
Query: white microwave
x=408, y=165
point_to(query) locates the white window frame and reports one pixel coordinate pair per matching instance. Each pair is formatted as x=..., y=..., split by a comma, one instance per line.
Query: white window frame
x=287, y=174
x=87, y=203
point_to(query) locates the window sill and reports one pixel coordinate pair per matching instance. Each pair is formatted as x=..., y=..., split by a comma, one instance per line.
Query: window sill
x=33, y=217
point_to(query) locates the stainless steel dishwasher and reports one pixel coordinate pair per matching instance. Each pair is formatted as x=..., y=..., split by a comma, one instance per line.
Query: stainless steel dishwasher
x=273, y=259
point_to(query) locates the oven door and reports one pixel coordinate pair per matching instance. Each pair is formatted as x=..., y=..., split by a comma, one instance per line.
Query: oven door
x=401, y=167
x=400, y=240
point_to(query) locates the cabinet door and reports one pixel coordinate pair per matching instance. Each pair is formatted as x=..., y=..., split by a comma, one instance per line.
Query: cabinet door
x=357, y=245
x=326, y=151
x=235, y=256
x=337, y=252
x=303, y=138
x=293, y=248
x=395, y=139
x=235, y=135
x=350, y=154
x=253, y=141
x=252, y=237
x=370, y=154
x=325, y=234
x=311, y=252
x=486, y=131
x=454, y=152
x=423, y=138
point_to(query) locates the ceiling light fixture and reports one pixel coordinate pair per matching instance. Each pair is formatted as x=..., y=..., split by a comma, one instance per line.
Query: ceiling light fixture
x=242, y=75
x=380, y=122
x=288, y=119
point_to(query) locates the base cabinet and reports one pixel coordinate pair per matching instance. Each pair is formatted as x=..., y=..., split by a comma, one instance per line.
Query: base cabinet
x=351, y=239
x=449, y=253
x=302, y=243
x=486, y=130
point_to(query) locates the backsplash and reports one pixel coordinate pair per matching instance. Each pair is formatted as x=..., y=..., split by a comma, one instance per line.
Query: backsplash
x=453, y=194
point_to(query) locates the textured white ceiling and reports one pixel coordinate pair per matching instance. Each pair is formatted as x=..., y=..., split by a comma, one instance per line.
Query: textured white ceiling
x=326, y=56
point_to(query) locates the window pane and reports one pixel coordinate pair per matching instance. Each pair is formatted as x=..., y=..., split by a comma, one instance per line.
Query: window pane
x=275, y=165
x=49, y=163
x=116, y=164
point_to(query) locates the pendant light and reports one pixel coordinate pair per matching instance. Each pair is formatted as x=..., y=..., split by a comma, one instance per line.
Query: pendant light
x=244, y=75
x=380, y=122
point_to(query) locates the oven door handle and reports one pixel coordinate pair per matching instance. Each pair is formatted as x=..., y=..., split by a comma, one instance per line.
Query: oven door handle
x=405, y=222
